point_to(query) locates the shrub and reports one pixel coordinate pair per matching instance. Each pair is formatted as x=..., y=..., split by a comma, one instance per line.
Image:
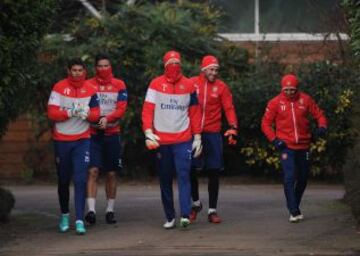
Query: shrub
x=23, y=23
x=137, y=37
x=7, y=202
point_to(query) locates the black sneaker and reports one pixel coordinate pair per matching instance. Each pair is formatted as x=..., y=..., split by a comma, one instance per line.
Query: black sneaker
x=110, y=218
x=90, y=218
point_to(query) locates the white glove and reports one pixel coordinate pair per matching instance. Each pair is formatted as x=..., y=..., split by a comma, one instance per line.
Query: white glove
x=151, y=140
x=72, y=111
x=196, y=145
x=83, y=111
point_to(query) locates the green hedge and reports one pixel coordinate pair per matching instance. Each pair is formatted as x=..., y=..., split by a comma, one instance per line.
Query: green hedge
x=334, y=87
x=352, y=169
x=23, y=24
x=137, y=37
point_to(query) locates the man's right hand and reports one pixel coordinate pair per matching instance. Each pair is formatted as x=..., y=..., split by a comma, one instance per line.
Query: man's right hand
x=72, y=112
x=196, y=145
x=151, y=140
x=102, y=123
x=279, y=144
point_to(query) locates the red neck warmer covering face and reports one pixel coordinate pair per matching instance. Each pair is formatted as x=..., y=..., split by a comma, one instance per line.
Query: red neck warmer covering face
x=77, y=81
x=173, y=72
x=104, y=76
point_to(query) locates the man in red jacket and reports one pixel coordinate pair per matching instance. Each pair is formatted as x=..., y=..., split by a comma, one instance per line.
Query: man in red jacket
x=171, y=117
x=105, y=144
x=214, y=97
x=72, y=105
x=289, y=111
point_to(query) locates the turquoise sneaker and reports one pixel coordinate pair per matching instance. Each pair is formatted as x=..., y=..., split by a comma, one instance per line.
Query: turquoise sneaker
x=64, y=223
x=80, y=227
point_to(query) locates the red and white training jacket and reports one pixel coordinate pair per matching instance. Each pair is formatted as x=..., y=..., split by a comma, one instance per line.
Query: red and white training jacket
x=290, y=116
x=62, y=98
x=213, y=98
x=112, y=102
x=171, y=110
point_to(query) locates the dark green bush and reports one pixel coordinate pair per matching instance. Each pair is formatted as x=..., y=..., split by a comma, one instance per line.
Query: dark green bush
x=7, y=202
x=137, y=37
x=352, y=181
x=352, y=169
x=23, y=23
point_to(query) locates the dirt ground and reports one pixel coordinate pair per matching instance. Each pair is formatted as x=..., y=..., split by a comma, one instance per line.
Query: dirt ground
x=255, y=222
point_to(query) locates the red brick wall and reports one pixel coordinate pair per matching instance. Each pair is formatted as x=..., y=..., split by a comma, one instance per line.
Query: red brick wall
x=21, y=151
x=295, y=52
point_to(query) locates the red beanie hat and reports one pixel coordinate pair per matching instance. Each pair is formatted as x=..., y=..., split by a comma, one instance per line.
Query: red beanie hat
x=209, y=61
x=170, y=56
x=289, y=81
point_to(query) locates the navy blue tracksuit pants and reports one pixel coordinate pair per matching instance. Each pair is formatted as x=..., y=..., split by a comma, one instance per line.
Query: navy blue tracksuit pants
x=72, y=160
x=170, y=159
x=295, y=164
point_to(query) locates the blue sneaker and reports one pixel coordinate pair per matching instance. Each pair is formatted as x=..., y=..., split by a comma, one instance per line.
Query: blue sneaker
x=64, y=223
x=80, y=227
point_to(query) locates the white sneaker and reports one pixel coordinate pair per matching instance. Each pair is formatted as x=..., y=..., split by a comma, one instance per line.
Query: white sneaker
x=169, y=224
x=294, y=219
x=300, y=217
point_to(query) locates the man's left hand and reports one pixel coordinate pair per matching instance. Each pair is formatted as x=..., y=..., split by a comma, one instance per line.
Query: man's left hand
x=83, y=111
x=102, y=123
x=321, y=132
x=231, y=135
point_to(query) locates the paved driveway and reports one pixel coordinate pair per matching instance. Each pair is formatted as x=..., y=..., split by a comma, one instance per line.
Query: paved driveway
x=255, y=223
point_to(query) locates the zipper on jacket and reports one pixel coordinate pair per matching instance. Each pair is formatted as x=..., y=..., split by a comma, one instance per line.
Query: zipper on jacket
x=204, y=106
x=294, y=121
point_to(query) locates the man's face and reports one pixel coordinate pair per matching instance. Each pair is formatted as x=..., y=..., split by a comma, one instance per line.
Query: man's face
x=76, y=71
x=173, y=62
x=103, y=64
x=290, y=92
x=211, y=73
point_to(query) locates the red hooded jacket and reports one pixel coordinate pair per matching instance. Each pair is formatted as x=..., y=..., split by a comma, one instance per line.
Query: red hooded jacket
x=112, y=103
x=171, y=110
x=291, y=118
x=62, y=97
x=213, y=98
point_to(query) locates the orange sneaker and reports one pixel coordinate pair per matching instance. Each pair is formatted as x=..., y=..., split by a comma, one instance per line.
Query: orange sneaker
x=192, y=216
x=214, y=218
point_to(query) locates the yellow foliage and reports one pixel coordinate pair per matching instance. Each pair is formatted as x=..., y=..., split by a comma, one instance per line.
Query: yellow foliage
x=344, y=101
x=319, y=146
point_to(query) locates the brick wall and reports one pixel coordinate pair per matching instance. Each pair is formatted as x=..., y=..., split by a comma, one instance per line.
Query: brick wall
x=20, y=151
x=296, y=52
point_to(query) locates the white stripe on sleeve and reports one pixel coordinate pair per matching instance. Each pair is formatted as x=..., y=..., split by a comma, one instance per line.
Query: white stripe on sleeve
x=54, y=99
x=151, y=96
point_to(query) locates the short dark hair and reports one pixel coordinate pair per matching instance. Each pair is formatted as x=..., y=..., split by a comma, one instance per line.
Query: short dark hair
x=101, y=56
x=75, y=61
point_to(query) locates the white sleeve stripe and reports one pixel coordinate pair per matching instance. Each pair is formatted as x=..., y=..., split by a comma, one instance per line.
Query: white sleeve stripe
x=54, y=99
x=150, y=96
